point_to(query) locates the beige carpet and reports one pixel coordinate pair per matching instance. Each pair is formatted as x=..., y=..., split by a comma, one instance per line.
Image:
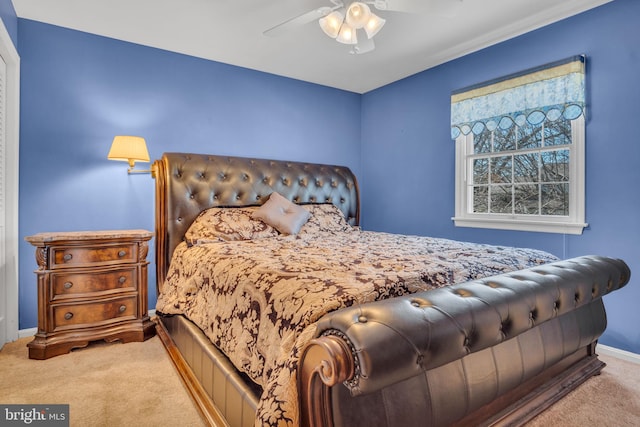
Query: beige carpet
x=135, y=384
x=611, y=399
x=109, y=385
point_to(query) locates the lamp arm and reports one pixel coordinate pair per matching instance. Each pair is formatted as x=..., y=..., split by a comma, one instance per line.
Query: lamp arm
x=152, y=171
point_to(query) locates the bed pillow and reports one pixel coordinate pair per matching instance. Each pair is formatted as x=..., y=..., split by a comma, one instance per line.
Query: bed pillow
x=282, y=214
x=325, y=217
x=226, y=224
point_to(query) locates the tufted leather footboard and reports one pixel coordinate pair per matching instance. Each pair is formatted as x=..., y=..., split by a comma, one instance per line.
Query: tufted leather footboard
x=473, y=353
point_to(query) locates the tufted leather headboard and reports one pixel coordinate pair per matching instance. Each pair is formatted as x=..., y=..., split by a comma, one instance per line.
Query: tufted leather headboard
x=187, y=183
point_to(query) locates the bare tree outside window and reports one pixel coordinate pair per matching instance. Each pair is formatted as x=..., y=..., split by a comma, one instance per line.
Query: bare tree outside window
x=522, y=170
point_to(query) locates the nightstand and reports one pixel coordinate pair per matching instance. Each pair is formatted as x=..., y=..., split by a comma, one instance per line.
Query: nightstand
x=92, y=285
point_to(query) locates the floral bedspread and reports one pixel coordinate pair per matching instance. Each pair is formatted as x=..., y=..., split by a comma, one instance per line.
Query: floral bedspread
x=258, y=300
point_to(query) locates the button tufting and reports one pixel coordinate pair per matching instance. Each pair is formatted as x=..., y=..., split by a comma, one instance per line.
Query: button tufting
x=466, y=343
x=463, y=293
x=362, y=319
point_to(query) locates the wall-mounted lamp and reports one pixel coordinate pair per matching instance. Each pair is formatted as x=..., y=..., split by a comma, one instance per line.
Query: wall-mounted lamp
x=130, y=149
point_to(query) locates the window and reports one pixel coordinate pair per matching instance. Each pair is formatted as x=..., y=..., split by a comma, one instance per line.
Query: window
x=522, y=168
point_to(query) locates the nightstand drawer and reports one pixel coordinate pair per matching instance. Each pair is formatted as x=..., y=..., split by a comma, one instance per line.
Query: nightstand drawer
x=76, y=284
x=94, y=313
x=71, y=256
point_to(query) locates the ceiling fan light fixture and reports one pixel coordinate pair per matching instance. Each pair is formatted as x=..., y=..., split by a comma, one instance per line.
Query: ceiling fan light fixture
x=331, y=23
x=358, y=14
x=347, y=35
x=374, y=24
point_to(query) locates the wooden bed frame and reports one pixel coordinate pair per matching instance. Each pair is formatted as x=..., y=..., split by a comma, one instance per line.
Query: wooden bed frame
x=495, y=351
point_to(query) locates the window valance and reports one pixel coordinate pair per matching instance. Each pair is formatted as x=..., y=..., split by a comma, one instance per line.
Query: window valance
x=544, y=93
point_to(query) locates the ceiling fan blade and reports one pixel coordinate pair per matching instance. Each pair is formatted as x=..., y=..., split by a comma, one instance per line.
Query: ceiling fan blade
x=298, y=21
x=446, y=8
x=364, y=45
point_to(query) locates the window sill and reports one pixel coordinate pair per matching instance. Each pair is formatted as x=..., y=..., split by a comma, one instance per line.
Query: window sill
x=521, y=225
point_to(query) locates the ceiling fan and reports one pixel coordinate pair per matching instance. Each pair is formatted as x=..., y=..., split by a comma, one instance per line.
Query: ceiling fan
x=353, y=23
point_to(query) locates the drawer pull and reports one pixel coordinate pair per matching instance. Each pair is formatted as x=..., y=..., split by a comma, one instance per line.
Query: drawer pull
x=122, y=253
x=122, y=279
x=68, y=285
x=122, y=308
x=68, y=315
x=67, y=257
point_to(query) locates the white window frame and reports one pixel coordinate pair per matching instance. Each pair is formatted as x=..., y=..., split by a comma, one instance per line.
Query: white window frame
x=574, y=223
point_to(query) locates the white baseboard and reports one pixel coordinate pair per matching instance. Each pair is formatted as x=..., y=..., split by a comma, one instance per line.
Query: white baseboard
x=617, y=353
x=23, y=333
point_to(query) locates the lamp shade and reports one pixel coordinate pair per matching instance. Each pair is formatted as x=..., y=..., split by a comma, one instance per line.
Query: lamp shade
x=374, y=24
x=358, y=15
x=331, y=23
x=347, y=35
x=129, y=149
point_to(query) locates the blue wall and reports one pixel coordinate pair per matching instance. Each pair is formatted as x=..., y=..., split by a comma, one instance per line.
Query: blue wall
x=9, y=19
x=78, y=91
x=406, y=136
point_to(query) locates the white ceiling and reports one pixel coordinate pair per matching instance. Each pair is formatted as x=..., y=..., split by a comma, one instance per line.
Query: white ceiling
x=231, y=31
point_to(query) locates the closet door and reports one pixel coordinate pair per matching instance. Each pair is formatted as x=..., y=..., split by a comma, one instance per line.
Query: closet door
x=3, y=204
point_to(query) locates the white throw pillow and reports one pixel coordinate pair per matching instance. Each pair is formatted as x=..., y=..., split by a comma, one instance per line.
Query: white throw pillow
x=282, y=214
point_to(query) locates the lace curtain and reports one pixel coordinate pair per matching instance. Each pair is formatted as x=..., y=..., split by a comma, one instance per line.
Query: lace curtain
x=548, y=92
